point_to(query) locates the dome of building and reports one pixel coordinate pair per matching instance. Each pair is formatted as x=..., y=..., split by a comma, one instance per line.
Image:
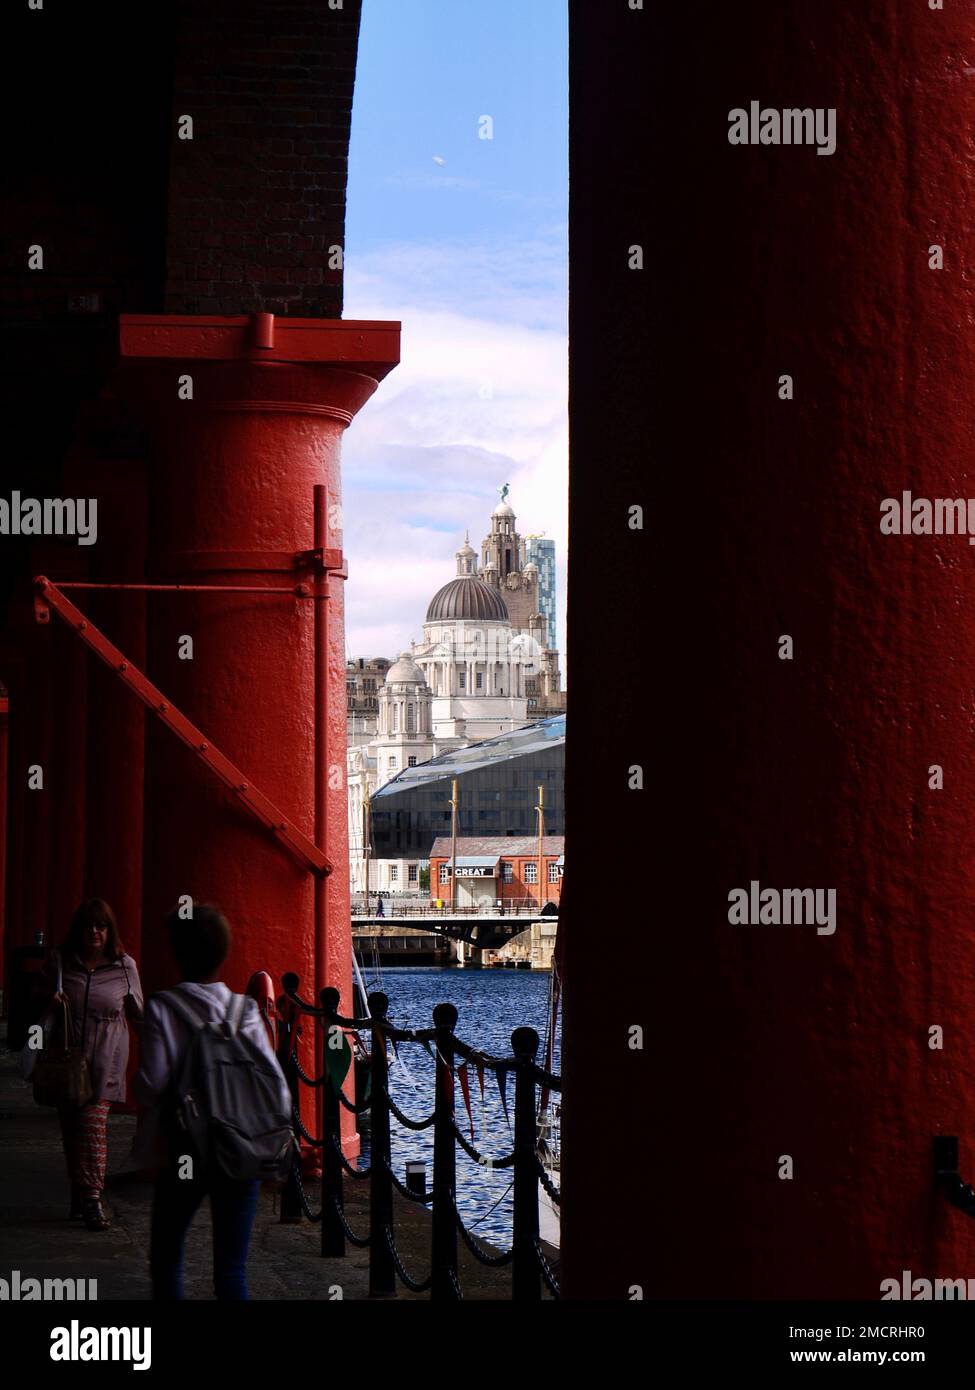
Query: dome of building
x=467, y=597
x=405, y=669
x=502, y=509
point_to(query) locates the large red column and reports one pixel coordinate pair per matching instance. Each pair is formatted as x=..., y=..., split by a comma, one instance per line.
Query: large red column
x=797, y=1078
x=4, y=710
x=32, y=746
x=109, y=801
x=14, y=814
x=231, y=503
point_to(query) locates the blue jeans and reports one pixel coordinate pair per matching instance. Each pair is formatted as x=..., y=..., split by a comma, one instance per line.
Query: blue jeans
x=232, y=1206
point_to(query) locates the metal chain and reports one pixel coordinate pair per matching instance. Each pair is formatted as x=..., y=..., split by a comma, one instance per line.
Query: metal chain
x=477, y=1156
x=352, y=1172
x=350, y=1235
x=542, y=1077
x=417, y=1286
x=410, y=1196
x=484, y=1215
x=547, y=1275
x=470, y=1054
x=405, y=1119
x=554, y=1192
x=485, y=1059
x=474, y=1248
x=308, y=1138
x=301, y=1072
x=496, y=1064
x=312, y=1216
x=359, y=1109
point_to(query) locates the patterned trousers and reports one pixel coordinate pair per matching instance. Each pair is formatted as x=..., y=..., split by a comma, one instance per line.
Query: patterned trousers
x=84, y=1131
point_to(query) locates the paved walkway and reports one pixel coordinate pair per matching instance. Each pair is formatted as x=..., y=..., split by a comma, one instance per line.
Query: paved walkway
x=37, y=1238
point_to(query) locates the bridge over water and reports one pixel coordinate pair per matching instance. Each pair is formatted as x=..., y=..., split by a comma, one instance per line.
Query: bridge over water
x=485, y=930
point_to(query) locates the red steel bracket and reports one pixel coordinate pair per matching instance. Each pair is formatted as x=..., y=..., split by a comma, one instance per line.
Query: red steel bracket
x=48, y=596
x=330, y=562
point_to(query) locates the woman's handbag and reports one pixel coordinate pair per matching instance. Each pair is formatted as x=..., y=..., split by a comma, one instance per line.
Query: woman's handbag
x=61, y=1074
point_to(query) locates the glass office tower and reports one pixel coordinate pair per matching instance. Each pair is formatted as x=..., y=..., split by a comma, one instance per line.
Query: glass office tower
x=542, y=552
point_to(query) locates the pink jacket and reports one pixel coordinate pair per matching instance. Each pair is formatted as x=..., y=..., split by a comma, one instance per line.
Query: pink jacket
x=102, y=1003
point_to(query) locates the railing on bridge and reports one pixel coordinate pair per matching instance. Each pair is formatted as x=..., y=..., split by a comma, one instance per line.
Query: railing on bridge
x=520, y=907
x=526, y=1257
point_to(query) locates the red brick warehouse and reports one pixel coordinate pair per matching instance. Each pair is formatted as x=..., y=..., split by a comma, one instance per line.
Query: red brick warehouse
x=498, y=868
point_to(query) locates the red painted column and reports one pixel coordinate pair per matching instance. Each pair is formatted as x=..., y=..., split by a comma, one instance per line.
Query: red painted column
x=12, y=665
x=843, y=1053
x=4, y=713
x=32, y=731
x=231, y=503
x=116, y=719
x=47, y=731
x=65, y=778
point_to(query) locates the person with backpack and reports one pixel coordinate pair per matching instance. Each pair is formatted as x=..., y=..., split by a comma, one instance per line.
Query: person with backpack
x=218, y=1109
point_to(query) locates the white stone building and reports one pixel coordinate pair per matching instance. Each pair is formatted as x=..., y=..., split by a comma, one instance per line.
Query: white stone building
x=469, y=679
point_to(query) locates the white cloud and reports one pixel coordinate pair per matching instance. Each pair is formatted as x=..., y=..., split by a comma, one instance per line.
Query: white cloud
x=479, y=399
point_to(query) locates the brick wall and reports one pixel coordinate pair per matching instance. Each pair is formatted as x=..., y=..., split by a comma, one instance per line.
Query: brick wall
x=518, y=890
x=257, y=197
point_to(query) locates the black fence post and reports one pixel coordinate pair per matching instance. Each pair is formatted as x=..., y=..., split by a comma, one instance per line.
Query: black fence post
x=526, y=1286
x=291, y=1212
x=382, y=1273
x=333, y=1236
x=444, y=1240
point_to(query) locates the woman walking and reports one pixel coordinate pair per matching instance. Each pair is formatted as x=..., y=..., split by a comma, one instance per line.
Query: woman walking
x=100, y=984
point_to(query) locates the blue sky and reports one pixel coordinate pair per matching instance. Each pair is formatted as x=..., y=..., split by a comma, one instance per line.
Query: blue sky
x=463, y=239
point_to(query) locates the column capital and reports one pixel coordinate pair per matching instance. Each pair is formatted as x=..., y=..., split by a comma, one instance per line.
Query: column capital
x=259, y=361
x=365, y=345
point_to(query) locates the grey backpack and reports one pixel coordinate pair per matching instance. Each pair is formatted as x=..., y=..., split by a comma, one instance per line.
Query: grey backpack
x=227, y=1102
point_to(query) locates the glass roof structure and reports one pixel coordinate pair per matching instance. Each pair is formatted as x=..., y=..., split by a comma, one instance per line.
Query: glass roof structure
x=536, y=738
x=497, y=785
